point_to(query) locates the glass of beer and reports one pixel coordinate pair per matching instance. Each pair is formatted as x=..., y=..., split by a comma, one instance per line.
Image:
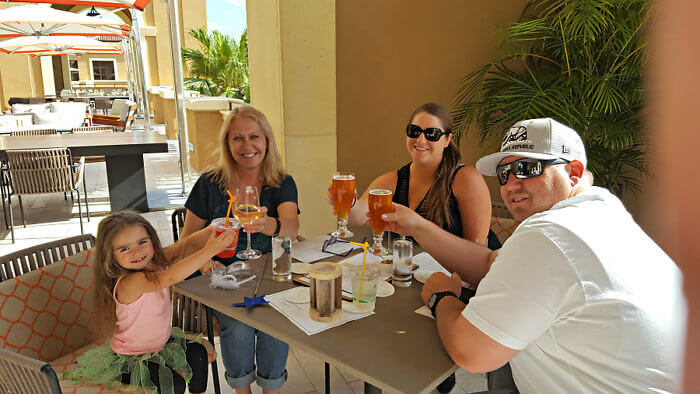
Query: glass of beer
x=343, y=196
x=379, y=203
x=247, y=209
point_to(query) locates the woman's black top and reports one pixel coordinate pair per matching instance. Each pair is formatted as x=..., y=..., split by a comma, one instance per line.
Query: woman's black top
x=401, y=197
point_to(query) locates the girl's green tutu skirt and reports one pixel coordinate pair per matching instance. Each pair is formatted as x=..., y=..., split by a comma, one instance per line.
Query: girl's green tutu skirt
x=102, y=365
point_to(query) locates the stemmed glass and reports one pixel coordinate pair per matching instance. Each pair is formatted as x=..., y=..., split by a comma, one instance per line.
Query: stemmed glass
x=247, y=209
x=343, y=196
x=379, y=203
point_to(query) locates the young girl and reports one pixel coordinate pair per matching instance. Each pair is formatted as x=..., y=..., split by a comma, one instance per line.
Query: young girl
x=133, y=275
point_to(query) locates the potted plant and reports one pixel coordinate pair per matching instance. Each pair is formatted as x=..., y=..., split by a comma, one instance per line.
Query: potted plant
x=580, y=62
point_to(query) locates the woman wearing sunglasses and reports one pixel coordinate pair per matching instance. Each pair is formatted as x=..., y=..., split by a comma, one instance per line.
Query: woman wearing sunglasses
x=434, y=183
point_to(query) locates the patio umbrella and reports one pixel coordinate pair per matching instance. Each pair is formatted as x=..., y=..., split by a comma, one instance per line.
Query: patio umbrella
x=173, y=20
x=138, y=4
x=58, y=45
x=36, y=20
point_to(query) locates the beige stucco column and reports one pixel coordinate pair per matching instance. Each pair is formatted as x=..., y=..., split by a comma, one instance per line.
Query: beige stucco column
x=293, y=81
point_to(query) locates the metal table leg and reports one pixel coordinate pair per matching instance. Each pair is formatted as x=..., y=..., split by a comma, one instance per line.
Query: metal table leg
x=328, y=378
x=210, y=334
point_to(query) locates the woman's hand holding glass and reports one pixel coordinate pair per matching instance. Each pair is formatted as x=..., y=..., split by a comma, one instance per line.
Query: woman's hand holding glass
x=258, y=225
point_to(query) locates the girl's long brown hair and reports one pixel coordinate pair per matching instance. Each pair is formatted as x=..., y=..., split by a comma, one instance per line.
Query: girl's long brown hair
x=107, y=270
x=225, y=171
x=438, y=195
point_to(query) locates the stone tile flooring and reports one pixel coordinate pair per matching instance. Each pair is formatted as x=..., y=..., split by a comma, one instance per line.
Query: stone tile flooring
x=50, y=217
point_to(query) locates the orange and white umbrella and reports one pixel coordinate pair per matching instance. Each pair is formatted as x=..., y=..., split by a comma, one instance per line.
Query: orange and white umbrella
x=37, y=20
x=58, y=45
x=138, y=4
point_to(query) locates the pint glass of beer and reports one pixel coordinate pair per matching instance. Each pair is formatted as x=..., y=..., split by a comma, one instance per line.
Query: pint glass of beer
x=379, y=203
x=343, y=196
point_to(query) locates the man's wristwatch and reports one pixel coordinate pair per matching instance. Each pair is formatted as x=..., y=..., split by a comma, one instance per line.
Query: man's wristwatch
x=278, y=228
x=436, y=297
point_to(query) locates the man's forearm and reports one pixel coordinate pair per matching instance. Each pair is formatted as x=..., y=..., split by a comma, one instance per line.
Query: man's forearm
x=468, y=259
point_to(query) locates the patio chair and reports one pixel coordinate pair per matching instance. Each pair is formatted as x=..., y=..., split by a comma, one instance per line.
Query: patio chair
x=25, y=132
x=41, y=171
x=35, y=257
x=178, y=220
x=121, y=122
x=39, y=347
x=102, y=104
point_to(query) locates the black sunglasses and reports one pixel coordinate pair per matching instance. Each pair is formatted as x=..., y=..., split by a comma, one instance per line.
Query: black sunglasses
x=524, y=168
x=431, y=133
x=330, y=241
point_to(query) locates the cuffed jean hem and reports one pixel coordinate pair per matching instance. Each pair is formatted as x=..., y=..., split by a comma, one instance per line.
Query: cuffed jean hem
x=272, y=384
x=248, y=379
x=240, y=382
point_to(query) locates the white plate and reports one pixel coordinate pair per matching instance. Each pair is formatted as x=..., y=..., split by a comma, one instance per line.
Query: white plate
x=384, y=289
x=422, y=275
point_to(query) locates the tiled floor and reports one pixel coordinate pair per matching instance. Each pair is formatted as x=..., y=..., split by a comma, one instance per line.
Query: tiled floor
x=50, y=217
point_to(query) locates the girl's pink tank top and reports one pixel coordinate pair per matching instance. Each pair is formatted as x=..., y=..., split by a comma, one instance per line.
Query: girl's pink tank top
x=143, y=326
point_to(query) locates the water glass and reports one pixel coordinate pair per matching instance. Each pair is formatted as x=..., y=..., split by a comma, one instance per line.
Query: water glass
x=281, y=258
x=402, y=262
x=364, y=286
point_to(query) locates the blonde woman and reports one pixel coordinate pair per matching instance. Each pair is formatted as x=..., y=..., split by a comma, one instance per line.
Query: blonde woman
x=249, y=157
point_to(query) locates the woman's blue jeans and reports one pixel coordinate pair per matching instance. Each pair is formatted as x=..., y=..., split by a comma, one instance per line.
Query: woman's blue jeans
x=241, y=353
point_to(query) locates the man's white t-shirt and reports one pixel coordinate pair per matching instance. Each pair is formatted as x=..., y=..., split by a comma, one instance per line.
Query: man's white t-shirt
x=591, y=302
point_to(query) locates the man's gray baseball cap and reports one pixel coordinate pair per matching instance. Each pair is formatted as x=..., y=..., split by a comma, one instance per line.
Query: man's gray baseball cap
x=543, y=139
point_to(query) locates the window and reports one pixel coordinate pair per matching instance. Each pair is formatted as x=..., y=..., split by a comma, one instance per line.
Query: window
x=103, y=70
x=73, y=70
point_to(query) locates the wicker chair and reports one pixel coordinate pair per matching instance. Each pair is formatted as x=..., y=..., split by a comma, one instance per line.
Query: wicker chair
x=19, y=133
x=40, y=171
x=25, y=260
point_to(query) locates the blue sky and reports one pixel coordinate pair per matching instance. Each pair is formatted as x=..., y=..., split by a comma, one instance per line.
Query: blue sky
x=226, y=16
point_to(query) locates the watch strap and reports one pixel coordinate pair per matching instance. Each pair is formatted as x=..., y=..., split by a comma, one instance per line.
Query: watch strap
x=278, y=228
x=439, y=296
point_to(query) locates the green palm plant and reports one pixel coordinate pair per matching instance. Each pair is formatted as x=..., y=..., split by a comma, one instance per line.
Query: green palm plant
x=220, y=68
x=578, y=61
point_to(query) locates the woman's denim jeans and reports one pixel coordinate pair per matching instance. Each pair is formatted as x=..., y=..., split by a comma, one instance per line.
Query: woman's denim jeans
x=241, y=354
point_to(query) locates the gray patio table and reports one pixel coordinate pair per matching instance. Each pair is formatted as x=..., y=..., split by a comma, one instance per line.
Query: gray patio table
x=123, y=155
x=395, y=349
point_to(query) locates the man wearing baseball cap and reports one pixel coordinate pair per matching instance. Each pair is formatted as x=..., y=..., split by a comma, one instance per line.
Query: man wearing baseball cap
x=578, y=299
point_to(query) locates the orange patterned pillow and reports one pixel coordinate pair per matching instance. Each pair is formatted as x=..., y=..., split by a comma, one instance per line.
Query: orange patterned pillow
x=44, y=313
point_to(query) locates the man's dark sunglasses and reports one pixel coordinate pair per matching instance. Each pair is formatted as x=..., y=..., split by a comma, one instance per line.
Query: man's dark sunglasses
x=431, y=133
x=524, y=168
x=330, y=241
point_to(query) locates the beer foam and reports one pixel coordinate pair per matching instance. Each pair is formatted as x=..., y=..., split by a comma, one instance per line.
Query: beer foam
x=380, y=192
x=343, y=177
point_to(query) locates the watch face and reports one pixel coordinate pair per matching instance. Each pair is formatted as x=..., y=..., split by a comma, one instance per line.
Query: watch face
x=431, y=301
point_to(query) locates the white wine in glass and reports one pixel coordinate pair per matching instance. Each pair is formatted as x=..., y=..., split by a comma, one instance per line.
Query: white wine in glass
x=247, y=209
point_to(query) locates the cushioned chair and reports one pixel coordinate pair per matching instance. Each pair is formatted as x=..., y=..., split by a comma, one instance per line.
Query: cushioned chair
x=502, y=222
x=122, y=121
x=44, y=327
x=35, y=257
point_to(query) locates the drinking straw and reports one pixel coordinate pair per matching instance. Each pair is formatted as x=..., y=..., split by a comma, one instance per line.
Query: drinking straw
x=230, y=203
x=364, y=255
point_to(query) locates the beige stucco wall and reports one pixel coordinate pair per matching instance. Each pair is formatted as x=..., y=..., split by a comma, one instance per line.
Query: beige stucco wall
x=395, y=55
x=293, y=78
x=84, y=65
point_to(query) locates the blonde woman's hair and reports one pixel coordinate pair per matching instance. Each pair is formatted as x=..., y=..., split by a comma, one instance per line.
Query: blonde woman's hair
x=107, y=270
x=225, y=172
x=438, y=196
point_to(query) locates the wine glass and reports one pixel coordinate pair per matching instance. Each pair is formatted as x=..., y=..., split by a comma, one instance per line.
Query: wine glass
x=247, y=209
x=343, y=196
